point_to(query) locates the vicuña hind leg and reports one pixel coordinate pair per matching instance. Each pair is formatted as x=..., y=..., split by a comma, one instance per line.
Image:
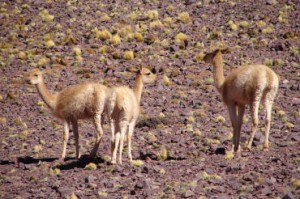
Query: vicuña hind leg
x=76, y=137
x=241, y=111
x=268, y=103
x=65, y=141
x=130, y=132
x=114, y=154
x=123, y=127
x=98, y=125
x=254, y=114
x=112, y=141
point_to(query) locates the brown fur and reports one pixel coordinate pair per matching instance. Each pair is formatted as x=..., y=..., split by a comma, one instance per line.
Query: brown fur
x=81, y=101
x=124, y=110
x=243, y=86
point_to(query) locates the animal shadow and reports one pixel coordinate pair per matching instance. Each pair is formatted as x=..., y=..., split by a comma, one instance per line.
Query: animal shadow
x=31, y=160
x=81, y=163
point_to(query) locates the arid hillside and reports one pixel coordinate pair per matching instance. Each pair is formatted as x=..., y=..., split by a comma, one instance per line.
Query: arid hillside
x=183, y=137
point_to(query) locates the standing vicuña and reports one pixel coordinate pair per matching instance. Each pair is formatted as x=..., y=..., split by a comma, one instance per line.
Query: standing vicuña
x=124, y=109
x=245, y=85
x=81, y=101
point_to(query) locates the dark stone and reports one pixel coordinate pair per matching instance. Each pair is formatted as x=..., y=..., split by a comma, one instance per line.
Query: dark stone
x=89, y=179
x=174, y=48
x=288, y=195
x=64, y=192
x=220, y=150
x=294, y=137
x=190, y=2
x=145, y=169
x=266, y=191
x=139, y=185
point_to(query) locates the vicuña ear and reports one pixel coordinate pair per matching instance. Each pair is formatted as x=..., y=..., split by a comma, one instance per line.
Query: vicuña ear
x=139, y=70
x=225, y=50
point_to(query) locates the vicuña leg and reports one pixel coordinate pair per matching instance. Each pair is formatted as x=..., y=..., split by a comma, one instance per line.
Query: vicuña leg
x=123, y=127
x=268, y=103
x=233, y=117
x=129, y=137
x=117, y=140
x=98, y=125
x=65, y=141
x=254, y=114
x=76, y=136
x=241, y=111
x=112, y=141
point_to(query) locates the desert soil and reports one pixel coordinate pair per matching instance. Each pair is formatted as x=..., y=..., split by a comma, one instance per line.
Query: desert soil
x=183, y=136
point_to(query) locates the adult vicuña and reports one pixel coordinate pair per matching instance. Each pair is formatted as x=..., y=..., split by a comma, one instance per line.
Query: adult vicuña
x=124, y=109
x=81, y=101
x=245, y=85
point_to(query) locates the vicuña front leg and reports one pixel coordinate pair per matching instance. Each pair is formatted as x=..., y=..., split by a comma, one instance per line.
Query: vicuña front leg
x=232, y=109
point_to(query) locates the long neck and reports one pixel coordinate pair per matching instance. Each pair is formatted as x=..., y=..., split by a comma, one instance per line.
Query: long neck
x=138, y=87
x=218, y=72
x=48, y=97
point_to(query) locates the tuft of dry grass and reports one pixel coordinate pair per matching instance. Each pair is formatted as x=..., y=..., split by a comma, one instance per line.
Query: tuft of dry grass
x=184, y=17
x=101, y=34
x=164, y=154
x=128, y=55
x=229, y=155
x=138, y=37
x=137, y=163
x=152, y=14
x=115, y=39
x=91, y=166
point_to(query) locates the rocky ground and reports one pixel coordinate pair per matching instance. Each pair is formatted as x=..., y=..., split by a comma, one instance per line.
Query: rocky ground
x=183, y=136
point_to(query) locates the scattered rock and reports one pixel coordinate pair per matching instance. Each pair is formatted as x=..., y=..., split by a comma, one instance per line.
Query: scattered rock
x=224, y=197
x=288, y=195
x=266, y=191
x=90, y=179
x=220, y=150
x=188, y=194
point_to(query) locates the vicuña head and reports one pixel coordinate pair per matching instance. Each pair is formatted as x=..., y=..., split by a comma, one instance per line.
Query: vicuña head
x=81, y=101
x=246, y=85
x=35, y=77
x=124, y=108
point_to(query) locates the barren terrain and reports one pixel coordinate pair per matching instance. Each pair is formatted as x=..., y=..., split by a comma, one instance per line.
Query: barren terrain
x=183, y=136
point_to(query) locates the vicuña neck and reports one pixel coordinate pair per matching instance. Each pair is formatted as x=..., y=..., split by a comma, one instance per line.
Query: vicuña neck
x=48, y=97
x=218, y=71
x=138, y=87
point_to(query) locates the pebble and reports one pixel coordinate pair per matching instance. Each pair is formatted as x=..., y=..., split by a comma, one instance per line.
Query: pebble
x=288, y=195
x=188, y=194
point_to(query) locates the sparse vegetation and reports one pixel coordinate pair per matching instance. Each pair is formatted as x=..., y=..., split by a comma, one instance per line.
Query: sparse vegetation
x=183, y=139
x=91, y=166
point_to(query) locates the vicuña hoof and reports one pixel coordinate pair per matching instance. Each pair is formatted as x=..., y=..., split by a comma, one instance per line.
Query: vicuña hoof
x=266, y=148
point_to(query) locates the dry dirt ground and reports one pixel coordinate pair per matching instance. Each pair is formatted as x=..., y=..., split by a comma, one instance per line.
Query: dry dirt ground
x=183, y=136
